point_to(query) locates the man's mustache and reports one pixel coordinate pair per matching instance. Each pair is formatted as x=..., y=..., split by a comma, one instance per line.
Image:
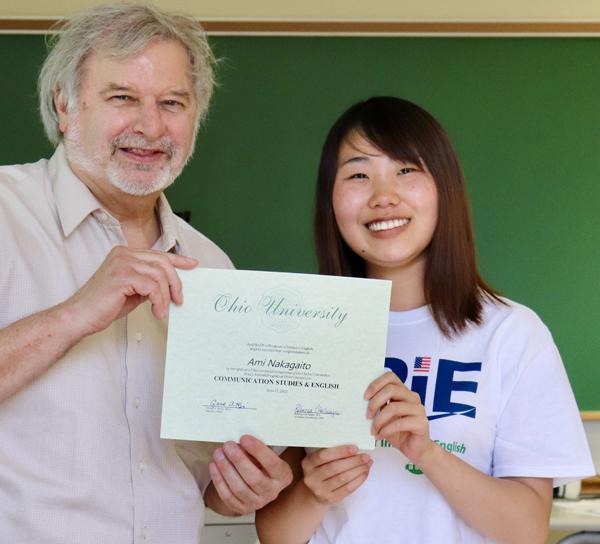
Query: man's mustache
x=165, y=145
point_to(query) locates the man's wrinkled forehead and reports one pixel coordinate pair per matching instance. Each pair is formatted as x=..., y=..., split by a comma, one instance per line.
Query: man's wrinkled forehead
x=112, y=71
x=111, y=48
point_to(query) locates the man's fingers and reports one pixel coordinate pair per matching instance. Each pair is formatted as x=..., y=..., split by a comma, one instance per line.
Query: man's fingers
x=251, y=474
x=159, y=304
x=178, y=261
x=223, y=490
x=125, y=278
x=162, y=281
x=233, y=479
x=139, y=288
x=182, y=261
x=161, y=267
x=269, y=461
x=168, y=262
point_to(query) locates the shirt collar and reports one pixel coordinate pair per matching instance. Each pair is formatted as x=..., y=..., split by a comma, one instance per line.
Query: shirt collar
x=171, y=238
x=74, y=201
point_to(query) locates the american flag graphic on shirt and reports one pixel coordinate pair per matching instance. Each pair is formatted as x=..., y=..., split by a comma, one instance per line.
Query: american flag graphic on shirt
x=422, y=364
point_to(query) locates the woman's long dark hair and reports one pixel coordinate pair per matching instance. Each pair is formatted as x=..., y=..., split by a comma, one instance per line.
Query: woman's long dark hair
x=454, y=289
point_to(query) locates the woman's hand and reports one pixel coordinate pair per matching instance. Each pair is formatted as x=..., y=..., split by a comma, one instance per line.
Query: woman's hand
x=398, y=416
x=332, y=474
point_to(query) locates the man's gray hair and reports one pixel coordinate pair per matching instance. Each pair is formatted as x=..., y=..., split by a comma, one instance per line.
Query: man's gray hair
x=120, y=31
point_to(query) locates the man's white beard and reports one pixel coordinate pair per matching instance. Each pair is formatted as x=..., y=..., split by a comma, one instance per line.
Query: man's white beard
x=100, y=164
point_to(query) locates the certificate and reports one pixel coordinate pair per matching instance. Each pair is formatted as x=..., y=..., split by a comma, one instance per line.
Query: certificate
x=283, y=357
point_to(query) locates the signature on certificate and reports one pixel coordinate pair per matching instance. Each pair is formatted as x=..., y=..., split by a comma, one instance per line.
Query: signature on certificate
x=225, y=405
x=316, y=412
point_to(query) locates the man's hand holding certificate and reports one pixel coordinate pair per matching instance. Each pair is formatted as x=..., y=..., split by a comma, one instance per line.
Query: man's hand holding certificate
x=283, y=357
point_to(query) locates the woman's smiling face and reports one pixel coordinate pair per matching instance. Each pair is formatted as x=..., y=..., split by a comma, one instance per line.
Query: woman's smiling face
x=386, y=209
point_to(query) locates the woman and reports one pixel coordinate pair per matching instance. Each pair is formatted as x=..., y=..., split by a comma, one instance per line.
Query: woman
x=477, y=418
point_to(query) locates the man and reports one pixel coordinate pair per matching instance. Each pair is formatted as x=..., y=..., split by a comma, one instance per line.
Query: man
x=88, y=268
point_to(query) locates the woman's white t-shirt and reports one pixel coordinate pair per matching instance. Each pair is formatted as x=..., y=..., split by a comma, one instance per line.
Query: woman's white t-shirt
x=497, y=396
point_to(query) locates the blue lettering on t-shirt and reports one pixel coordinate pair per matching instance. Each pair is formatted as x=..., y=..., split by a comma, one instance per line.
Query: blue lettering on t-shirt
x=445, y=385
x=398, y=367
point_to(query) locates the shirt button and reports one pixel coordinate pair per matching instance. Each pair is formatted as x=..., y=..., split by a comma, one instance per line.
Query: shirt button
x=141, y=467
x=138, y=337
x=137, y=402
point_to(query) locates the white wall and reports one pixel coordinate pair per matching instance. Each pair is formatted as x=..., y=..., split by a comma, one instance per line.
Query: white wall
x=396, y=10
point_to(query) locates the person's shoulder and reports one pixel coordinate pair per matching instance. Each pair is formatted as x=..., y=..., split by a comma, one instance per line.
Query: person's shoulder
x=505, y=308
x=13, y=173
x=16, y=179
x=203, y=248
x=514, y=321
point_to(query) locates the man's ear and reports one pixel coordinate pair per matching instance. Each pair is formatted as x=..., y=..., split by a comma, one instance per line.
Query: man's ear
x=60, y=105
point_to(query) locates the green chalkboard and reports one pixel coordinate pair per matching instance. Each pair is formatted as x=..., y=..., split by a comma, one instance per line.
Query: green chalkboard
x=524, y=115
